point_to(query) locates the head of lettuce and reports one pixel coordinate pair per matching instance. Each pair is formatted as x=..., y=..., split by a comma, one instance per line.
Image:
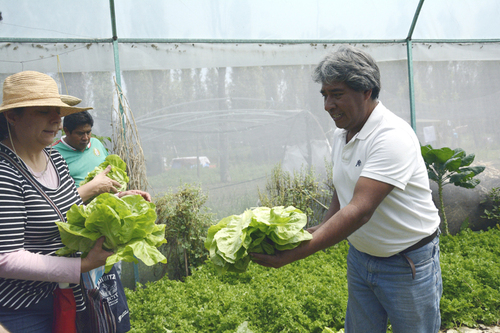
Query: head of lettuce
x=260, y=230
x=128, y=223
x=118, y=171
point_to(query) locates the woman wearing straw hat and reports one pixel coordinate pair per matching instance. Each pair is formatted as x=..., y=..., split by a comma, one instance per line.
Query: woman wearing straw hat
x=36, y=190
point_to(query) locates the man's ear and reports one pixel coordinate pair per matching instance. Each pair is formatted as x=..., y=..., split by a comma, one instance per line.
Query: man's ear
x=368, y=94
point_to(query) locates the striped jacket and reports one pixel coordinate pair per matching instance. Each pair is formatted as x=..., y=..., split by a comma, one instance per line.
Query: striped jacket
x=27, y=221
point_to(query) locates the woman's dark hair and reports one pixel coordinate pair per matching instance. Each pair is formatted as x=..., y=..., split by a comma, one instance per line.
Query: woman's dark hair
x=74, y=120
x=4, y=131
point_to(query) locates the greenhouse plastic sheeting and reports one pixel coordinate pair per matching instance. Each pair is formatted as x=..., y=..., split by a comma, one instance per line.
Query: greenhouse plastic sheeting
x=231, y=80
x=251, y=19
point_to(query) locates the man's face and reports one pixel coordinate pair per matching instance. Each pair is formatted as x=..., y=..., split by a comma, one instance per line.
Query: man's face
x=79, y=138
x=348, y=108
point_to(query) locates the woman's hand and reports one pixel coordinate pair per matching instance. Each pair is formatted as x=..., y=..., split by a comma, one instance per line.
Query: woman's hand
x=96, y=257
x=145, y=195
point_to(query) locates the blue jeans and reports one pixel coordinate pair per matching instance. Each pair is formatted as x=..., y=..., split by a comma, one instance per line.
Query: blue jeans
x=382, y=289
x=37, y=318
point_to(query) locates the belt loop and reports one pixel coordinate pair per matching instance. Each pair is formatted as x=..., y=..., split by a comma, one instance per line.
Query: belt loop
x=412, y=265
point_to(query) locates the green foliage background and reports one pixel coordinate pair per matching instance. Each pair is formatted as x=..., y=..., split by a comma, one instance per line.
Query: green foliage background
x=470, y=264
x=300, y=189
x=311, y=294
x=186, y=220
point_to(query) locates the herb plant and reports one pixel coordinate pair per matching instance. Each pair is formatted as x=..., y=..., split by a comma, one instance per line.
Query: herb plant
x=186, y=221
x=299, y=189
x=494, y=213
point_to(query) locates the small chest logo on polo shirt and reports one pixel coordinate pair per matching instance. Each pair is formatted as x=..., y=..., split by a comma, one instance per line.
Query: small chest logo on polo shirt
x=97, y=152
x=358, y=163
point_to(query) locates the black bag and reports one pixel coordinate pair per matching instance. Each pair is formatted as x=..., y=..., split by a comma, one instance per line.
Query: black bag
x=106, y=306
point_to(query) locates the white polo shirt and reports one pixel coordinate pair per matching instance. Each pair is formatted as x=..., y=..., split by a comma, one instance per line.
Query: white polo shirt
x=386, y=149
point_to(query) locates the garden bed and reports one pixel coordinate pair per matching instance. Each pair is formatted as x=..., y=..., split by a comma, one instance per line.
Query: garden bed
x=311, y=294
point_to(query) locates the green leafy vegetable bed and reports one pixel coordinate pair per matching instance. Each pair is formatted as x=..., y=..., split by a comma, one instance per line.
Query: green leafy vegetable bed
x=311, y=294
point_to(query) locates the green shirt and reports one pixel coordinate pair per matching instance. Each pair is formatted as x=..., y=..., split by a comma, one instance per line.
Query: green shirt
x=80, y=163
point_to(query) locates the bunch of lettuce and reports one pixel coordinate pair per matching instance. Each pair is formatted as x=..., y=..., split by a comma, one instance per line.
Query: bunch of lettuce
x=118, y=171
x=128, y=224
x=260, y=230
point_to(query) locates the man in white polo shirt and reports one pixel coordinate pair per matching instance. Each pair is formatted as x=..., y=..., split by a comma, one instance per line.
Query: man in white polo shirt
x=382, y=205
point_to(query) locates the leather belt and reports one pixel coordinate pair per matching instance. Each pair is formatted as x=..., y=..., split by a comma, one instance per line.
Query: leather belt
x=419, y=244
x=422, y=242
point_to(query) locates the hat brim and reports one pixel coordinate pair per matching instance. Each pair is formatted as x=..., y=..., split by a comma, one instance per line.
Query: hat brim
x=56, y=102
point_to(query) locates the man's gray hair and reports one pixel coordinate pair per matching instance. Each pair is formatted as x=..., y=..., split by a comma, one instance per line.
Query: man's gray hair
x=352, y=66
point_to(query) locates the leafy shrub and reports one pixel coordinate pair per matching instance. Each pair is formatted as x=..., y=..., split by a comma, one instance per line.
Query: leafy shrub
x=494, y=213
x=187, y=221
x=446, y=166
x=310, y=295
x=301, y=190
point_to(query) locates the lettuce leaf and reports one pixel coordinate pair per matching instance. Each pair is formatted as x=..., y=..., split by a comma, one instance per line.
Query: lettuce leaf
x=128, y=224
x=118, y=171
x=261, y=230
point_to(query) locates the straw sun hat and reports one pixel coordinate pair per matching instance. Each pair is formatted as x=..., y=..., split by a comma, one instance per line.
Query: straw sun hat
x=30, y=88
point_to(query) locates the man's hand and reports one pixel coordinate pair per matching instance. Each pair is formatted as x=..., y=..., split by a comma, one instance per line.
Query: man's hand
x=145, y=195
x=96, y=257
x=276, y=260
x=100, y=184
x=313, y=229
x=281, y=258
x=103, y=184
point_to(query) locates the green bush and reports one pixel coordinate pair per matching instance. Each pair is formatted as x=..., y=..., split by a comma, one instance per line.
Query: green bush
x=450, y=166
x=494, y=213
x=187, y=221
x=311, y=294
x=299, y=189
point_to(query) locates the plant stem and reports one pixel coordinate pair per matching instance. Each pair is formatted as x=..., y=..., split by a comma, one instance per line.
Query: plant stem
x=186, y=262
x=444, y=222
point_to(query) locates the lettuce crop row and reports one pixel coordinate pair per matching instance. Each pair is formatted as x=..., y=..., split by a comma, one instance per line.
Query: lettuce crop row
x=311, y=294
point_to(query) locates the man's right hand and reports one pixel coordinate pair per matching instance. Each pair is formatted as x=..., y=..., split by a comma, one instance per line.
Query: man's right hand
x=103, y=184
x=100, y=184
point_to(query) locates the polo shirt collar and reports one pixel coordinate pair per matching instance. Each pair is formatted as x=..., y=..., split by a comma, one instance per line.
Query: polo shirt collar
x=70, y=147
x=371, y=123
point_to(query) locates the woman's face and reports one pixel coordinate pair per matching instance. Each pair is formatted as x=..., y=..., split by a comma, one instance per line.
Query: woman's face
x=35, y=126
